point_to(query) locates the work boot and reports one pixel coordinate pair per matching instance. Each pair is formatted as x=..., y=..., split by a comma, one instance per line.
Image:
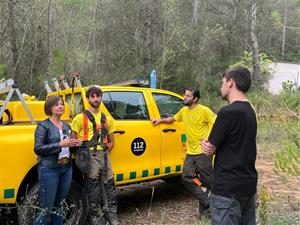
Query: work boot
x=94, y=220
x=112, y=218
x=204, y=210
x=111, y=195
x=96, y=216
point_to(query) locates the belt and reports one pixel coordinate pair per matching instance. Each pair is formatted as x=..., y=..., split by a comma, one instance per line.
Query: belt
x=63, y=161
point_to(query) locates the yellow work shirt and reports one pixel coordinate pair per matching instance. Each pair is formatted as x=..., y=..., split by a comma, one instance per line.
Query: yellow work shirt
x=77, y=126
x=198, y=123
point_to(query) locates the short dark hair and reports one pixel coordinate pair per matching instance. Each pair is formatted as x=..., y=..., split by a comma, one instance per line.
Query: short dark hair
x=91, y=90
x=241, y=77
x=195, y=91
x=50, y=102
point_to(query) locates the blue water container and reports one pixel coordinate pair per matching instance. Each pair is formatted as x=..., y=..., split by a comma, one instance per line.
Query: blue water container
x=153, y=79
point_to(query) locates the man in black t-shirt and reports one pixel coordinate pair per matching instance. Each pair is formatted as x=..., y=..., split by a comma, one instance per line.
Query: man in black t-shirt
x=233, y=140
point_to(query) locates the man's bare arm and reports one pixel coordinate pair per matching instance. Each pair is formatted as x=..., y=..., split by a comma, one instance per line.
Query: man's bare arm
x=111, y=141
x=169, y=120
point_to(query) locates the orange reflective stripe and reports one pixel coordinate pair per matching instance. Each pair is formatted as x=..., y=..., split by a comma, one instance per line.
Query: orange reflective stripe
x=197, y=181
x=98, y=127
x=85, y=127
x=105, y=141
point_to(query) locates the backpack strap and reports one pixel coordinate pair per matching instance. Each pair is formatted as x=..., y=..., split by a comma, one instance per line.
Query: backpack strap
x=91, y=118
x=85, y=127
x=95, y=138
x=104, y=127
x=103, y=143
x=87, y=115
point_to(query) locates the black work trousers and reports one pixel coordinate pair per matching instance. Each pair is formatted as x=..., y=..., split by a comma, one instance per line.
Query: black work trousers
x=232, y=211
x=201, y=166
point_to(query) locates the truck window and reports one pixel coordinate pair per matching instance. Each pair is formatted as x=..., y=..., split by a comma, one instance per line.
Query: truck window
x=167, y=105
x=78, y=103
x=126, y=105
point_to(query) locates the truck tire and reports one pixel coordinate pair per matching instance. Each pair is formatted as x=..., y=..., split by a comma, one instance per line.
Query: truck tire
x=76, y=207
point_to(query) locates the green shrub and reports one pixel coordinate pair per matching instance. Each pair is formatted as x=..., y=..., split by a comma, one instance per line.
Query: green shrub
x=264, y=63
x=288, y=157
x=3, y=71
x=264, y=205
x=280, y=216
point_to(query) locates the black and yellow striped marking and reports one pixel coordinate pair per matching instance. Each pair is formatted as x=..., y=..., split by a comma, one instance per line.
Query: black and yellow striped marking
x=145, y=173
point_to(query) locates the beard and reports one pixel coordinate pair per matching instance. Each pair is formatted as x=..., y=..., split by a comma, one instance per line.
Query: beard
x=186, y=103
x=95, y=104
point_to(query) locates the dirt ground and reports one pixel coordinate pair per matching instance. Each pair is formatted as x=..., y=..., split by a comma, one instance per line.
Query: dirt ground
x=159, y=202
x=172, y=204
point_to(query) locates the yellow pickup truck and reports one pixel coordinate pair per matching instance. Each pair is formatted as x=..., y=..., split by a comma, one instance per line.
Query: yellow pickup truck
x=142, y=152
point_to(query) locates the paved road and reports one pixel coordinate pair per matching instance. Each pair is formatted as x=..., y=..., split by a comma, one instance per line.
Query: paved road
x=283, y=73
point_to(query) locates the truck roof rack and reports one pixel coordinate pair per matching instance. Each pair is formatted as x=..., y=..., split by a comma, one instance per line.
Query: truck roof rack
x=8, y=86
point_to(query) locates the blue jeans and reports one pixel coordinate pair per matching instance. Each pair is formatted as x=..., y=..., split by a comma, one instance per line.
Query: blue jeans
x=54, y=188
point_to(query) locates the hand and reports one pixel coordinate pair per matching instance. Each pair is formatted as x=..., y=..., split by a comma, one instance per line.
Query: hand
x=155, y=121
x=70, y=142
x=110, y=146
x=208, y=148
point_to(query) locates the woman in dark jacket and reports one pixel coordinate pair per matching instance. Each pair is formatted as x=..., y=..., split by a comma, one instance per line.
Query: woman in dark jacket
x=51, y=143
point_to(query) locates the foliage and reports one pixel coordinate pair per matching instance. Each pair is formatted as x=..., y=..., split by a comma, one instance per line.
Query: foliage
x=264, y=62
x=203, y=221
x=60, y=61
x=288, y=87
x=264, y=206
x=280, y=216
x=112, y=41
x=290, y=96
x=264, y=102
x=288, y=158
x=3, y=71
x=293, y=56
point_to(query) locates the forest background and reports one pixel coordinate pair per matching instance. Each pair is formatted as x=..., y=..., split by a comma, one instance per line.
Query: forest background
x=187, y=42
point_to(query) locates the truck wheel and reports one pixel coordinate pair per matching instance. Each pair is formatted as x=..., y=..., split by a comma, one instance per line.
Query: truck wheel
x=76, y=206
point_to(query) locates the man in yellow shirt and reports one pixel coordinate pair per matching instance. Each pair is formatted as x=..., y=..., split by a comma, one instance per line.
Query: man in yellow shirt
x=100, y=166
x=198, y=121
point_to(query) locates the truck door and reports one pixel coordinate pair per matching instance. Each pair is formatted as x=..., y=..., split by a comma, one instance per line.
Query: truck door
x=136, y=153
x=173, y=135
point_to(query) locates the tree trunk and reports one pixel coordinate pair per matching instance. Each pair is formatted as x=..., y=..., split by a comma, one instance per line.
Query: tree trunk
x=195, y=12
x=50, y=40
x=255, y=51
x=13, y=41
x=164, y=48
x=89, y=39
x=148, y=38
x=284, y=31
